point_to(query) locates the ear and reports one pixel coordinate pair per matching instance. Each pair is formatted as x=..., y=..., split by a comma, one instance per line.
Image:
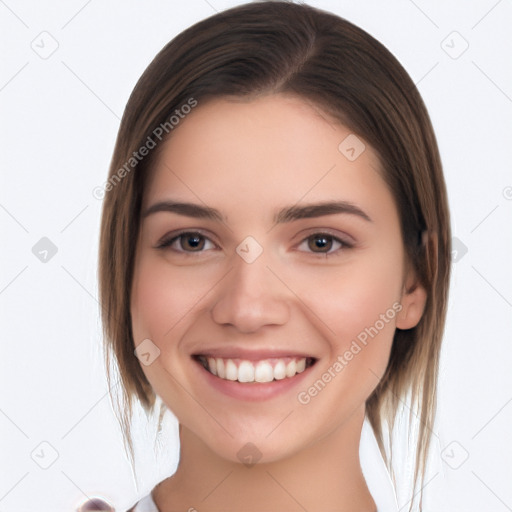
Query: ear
x=414, y=298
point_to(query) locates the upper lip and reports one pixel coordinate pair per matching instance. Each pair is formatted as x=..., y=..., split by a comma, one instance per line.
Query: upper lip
x=250, y=355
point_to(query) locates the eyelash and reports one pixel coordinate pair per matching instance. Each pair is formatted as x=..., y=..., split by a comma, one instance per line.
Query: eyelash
x=164, y=244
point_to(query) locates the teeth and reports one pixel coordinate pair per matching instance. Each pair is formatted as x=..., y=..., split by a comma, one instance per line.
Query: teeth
x=280, y=370
x=264, y=372
x=221, y=368
x=252, y=371
x=231, y=370
x=246, y=372
x=291, y=369
x=212, y=365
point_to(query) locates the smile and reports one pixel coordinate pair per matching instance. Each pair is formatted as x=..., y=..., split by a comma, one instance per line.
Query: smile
x=264, y=370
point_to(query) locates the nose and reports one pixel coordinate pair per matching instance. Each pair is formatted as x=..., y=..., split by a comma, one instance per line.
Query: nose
x=251, y=296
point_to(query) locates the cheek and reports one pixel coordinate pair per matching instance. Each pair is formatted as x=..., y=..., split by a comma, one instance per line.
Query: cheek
x=367, y=303
x=357, y=305
x=162, y=297
x=354, y=295
x=358, y=309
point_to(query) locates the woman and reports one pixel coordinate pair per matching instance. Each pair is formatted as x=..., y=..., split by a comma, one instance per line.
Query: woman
x=275, y=258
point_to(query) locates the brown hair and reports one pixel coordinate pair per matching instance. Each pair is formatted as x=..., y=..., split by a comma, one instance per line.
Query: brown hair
x=280, y=47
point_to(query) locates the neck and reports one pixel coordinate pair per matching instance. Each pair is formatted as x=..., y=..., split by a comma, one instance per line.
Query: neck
x=323, y=476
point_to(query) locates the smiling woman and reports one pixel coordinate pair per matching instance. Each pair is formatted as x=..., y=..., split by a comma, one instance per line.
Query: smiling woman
x=289, y=239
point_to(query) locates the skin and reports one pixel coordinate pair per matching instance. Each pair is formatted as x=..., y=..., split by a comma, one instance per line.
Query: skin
x=248, y=159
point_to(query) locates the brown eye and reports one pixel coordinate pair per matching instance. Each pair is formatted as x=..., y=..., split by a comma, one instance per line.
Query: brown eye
x=194, y=241
x=325, y=244
x=189, y=242
x=319, y=242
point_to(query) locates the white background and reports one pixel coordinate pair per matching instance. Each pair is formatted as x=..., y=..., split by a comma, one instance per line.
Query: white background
x=59, y=119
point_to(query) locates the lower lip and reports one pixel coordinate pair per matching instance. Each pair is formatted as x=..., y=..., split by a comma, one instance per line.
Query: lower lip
x=251, y=391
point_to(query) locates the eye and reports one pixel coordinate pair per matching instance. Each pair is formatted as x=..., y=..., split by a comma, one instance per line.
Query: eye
x=190, y=241
x=322, y=243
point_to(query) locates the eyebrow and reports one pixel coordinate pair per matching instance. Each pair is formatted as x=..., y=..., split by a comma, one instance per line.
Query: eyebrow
x=287, y=214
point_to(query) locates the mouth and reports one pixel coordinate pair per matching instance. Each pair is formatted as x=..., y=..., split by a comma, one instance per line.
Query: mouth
x=254, y=371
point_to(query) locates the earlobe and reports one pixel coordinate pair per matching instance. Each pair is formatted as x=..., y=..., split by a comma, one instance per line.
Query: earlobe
x=413, y=304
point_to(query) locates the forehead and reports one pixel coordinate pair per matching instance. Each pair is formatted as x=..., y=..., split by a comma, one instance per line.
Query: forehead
x=275, y=149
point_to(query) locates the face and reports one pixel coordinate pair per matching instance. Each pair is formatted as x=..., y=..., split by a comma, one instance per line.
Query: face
x=272, y=304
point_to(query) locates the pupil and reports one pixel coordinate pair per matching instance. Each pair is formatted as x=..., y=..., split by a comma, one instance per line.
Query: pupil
x=195, y=241
x=321, y=242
